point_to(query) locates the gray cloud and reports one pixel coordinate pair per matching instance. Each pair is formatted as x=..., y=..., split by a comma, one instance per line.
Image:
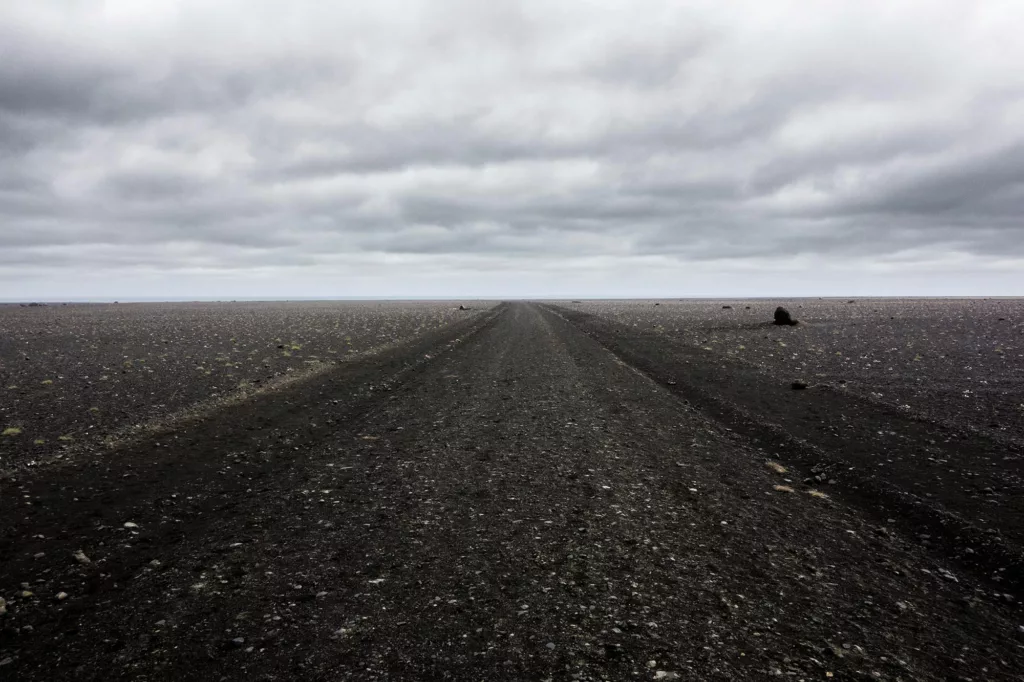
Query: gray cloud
x=499, y=148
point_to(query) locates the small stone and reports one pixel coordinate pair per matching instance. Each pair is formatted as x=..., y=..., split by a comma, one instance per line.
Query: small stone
x=3, y=606
x=27, y=594
x=129, y=524
x=321, y=594
x=7, y=661
x=798, y=385
x=550, y=645
x=238, y=641
x=155, y=563
x=665, y=675
x=81, y=558
x=61, y=596
x=161, y=623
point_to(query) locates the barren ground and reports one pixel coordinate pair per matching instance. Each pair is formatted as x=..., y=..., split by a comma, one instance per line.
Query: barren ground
x=74, y=376
x=536, y=492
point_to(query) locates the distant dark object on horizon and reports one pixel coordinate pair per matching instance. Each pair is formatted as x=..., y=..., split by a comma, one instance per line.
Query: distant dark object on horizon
x=798, y=385
x=462, y=307
x=726, y=307
x=782, y=317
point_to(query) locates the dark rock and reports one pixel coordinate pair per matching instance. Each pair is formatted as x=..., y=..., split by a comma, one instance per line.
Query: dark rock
x=783, y=317
x=798, y=385
x=726, y=307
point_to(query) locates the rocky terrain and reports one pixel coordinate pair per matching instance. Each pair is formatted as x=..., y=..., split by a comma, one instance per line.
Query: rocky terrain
x=533, y=492
x=75, y=375
x=954, y=360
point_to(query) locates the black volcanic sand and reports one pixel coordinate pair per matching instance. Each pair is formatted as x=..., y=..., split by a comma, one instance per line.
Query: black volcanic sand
x=503, y=498
x=880, y=420
x=952, y=360
x=78, y=374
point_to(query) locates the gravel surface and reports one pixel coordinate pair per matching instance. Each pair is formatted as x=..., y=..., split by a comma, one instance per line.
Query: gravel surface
x=73, y=373
x=504, y=498
x=957, y=360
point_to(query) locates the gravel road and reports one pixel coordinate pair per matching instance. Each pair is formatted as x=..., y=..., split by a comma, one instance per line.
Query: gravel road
x=501, y=499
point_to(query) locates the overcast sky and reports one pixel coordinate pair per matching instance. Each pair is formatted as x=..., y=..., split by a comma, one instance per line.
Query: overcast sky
x=248, y=148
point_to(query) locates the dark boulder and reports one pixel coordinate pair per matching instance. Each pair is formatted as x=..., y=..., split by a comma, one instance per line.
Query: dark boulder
x=782, y=316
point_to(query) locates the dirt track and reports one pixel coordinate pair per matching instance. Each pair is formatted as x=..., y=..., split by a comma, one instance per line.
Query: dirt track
x=502, y=499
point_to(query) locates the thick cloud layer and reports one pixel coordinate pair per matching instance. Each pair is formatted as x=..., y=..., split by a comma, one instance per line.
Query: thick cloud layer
x=254, y=148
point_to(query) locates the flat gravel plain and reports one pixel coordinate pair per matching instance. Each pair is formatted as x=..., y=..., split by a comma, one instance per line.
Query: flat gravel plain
x=73, y=373
x=531, y=492
x=956, y=360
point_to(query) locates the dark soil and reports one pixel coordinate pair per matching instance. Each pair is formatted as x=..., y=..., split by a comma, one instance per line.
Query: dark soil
x=73, y=376
x=945, y=482
x=955, y=360
x=502, y=498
